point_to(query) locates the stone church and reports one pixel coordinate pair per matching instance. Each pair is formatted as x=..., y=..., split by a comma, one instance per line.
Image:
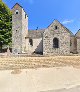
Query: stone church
x=56, y=39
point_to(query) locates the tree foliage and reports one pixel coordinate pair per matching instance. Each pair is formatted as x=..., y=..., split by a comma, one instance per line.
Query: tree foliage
x=5, y=24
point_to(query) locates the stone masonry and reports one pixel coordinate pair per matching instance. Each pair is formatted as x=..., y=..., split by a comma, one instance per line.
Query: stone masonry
x=19, y=29
x=61, y=34
x=56, y=39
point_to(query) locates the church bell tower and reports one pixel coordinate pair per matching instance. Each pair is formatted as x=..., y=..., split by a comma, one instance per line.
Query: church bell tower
x=19, y=29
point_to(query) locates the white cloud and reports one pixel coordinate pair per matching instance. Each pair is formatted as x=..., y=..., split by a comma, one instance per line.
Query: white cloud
x=67, y=21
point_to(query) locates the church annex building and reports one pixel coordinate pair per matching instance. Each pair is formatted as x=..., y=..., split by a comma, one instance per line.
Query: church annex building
x=54, y=40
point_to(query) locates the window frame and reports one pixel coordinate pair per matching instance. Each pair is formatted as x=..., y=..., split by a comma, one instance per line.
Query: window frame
x=31, y=41
x=55, y=44
x=17, y=12
x=56, y=27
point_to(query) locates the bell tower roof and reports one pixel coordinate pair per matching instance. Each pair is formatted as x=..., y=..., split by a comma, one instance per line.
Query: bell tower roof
x=17, y=4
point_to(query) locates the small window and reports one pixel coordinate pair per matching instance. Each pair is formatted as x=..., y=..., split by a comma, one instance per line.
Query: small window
x=55, y=43
x=56, y=27
x=70, y=43
x=25, y=16
x=17, y=12
x=31, y=42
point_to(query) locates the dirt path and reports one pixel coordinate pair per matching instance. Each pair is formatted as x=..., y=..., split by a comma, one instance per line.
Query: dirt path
x=57, y=79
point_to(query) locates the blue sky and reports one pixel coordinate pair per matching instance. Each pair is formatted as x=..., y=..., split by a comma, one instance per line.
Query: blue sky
x=42, y=12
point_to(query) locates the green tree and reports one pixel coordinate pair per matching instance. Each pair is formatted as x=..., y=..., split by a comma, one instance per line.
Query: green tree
x=5, y=24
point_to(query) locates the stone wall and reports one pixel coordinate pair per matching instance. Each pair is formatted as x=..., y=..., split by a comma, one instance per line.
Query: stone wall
x=37, y=45
x=78, y=45
x=77, y=36
x=61, y=34
x=73, y=44
x=19, y=29
x=24, y=29
x=16, y=29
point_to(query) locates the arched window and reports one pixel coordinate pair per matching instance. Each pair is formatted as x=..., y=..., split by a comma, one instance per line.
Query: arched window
x=31, y=42
x=55, y=43
x=16, y=12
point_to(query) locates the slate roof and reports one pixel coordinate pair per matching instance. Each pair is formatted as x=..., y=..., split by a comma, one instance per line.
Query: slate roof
x=35, y=33
x=17, y=4
x=38, y=33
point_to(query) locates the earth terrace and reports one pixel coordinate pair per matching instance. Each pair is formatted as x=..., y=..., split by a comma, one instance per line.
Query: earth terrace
x=11, y=63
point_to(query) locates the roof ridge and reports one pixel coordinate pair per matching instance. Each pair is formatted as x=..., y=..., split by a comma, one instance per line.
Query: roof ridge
x=77, y=32
x=21, y=7
x=36, y=30
x=16, y=4
x=67, y=29
x=62, y=26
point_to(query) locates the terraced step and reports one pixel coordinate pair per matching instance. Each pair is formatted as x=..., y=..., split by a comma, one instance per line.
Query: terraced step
x=38, y=62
